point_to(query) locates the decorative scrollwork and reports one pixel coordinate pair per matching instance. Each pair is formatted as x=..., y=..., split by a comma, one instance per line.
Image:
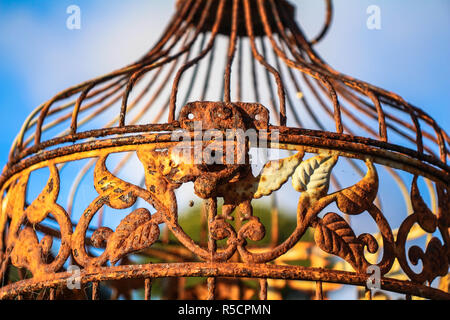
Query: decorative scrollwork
x=29, y=253
x=139, y=230
x=313, y=175
x=334, y=236
x=253, y=230
x=26, y=251
x=358, y=198
x=136, y=232
x=435, y=259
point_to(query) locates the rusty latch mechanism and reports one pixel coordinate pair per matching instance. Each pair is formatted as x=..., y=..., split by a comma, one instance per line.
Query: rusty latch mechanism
x=221, y=116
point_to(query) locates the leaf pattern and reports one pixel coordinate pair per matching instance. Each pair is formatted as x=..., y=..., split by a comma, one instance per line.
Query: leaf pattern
x=334, y=236
x=313, y=175
x=136, y=232
x=426, y=219
x=358, y=198
x=29, y=253
x=275, y=174
x=434, y=259
x=117, y=193
x=163, y=171
x=13, y=207
x=39, y=209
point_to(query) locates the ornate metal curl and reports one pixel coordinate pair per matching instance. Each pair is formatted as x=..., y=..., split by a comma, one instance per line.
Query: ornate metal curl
x=234, y=245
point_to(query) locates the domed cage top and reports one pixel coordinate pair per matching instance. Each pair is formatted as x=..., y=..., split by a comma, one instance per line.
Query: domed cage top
x=234, y=109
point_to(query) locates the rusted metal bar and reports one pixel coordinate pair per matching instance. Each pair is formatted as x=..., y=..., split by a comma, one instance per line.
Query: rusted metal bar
x=211, y=210
x=52, y=294
x=224, y=270
x=368, y=294
x=212, y=288
x=291, y=135
x=231, y=51
x=327, y=24
x=148, y=289
x=319, y=290
x=262, y=61
x=95, y=292
x=189, y=64
x=263, y=289
x=276, y=44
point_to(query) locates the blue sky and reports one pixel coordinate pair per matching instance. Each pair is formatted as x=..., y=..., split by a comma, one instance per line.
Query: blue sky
x=39, y=56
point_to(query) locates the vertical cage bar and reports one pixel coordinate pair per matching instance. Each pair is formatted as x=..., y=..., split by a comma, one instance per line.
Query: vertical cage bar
x=319, y=290
x=263, y=289
x=148, y=289
x=275, y=220
x=95, y=291
x=181, y=288
x=211, y=209
x=52, y=294
x=368, y=294
x=212, y=282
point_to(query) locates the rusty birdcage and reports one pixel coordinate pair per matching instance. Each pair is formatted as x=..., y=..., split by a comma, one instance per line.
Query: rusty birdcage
x=227, y=67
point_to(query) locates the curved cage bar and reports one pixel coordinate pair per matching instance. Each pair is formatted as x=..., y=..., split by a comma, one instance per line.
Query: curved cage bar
x=232, y=109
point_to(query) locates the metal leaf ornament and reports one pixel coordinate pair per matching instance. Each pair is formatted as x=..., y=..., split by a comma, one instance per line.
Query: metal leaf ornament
x=313, y=175
x=136, y=232
x=275, y=174
x=334, y=236
x=426, y=219
x=358, y=198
